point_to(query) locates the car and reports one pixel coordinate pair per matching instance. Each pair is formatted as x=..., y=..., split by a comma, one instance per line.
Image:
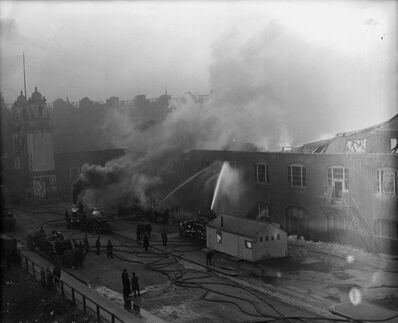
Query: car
x=74, y=217
x=193, y=228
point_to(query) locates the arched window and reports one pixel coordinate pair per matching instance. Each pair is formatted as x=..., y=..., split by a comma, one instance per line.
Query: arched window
x=297, y=175
x=387, y=181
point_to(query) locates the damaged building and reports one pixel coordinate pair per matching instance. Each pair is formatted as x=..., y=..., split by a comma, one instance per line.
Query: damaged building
x=342, y=189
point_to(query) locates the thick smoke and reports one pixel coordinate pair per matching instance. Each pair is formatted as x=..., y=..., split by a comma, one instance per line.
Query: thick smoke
x=263, y=94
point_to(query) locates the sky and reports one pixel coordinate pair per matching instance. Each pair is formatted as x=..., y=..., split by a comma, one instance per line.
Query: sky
x=317, y=67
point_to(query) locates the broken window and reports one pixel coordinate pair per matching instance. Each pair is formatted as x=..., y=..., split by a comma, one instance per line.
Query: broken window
x=248, y=244
x=207, y=163
x=233, y=164
x=386, y=181
x=297, y=176
x=263, y=210
x=339, y=175
x=394, y=145
x=319, y=149
x=386, y=228
x=355, y=146
x=261, y=173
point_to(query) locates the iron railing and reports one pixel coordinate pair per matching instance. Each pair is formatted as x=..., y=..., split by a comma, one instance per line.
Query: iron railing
x=78, y=298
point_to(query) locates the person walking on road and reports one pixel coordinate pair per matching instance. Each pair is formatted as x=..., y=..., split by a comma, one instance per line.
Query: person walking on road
x=49, y=279
x=209, y=258
x=57, y=275
x=109, y=249
x=148, y=229
x=86, y=245
x=43, y=278
x=164, y=237
x=134, y=285
x=146, y=242
x=126, y=289
x=98, y=245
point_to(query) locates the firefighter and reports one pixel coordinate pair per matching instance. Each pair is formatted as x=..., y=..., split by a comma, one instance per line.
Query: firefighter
x=109, y=249
x=148, y=229
x=57, y=275
x=43, y=278
x=138, y=231
x=146, y=242
x=164, y=237
x=134, y=285
x=98, y=245
x=86, y=245
x=49, y=279
x=126, y=289
x=209, y=258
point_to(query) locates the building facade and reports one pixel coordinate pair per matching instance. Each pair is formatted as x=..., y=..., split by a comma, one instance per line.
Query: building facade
x=32, y=163
x=343, y=189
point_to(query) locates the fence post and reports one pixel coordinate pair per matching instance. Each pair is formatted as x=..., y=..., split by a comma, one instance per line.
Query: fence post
x=73, y=296
x=84, y=304
x=98, y=314
x=113, y=318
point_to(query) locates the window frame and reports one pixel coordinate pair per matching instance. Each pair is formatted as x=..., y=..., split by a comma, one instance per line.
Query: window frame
x=356, y=146
x=345, y=178
x=303, y=176
x=266, y=177
x=259, y=209
x=380, y=179
x=219, y=236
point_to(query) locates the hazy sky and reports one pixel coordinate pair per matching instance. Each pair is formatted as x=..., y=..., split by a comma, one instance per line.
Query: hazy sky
x=338, y=58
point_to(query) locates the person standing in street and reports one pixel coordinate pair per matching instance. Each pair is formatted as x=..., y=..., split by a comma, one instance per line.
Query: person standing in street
x=109, y=249
x=134, y=285
x=57, y=275
x=146, y=242
x=98, y=245
x=164, y=237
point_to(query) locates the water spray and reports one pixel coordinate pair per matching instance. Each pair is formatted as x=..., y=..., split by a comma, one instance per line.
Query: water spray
x=217, y=189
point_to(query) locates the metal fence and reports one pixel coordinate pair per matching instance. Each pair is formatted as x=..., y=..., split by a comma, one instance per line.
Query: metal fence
x=78, y=298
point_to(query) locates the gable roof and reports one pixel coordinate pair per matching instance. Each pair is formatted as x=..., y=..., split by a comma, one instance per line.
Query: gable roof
x=242, y=226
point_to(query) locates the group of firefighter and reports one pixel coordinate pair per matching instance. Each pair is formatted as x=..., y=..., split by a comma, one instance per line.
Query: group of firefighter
x=129, y=289
x=48, y=278
x=144, y=231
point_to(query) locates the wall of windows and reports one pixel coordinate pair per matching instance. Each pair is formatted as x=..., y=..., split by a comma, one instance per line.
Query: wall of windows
x=262, y=173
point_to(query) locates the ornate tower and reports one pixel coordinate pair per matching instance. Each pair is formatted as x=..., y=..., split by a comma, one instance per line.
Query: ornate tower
x=33, y=145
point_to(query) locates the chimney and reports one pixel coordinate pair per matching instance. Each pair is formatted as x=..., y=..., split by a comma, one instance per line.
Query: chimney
x=222, y=221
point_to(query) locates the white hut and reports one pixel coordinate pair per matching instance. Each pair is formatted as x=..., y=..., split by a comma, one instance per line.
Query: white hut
x=246, y=239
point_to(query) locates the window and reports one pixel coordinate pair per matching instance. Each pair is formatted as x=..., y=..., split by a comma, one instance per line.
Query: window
x=394, y=145
x=355, y=146
x=17, y=163
x=261, y=239
x=219, y=236
x=319, y=149
x=207, y=163
x=52, y=179
x=278, y=236
x=338, y=222
x=263, y=210
x=387, y=181
x=15, y=142
x=261, y=173
x=74, y=173
x=185, y=166
x=272, y=237
x=338, y=174
x=233, y=164
x=386, y=228
x=297, y=176
x=248, y=244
